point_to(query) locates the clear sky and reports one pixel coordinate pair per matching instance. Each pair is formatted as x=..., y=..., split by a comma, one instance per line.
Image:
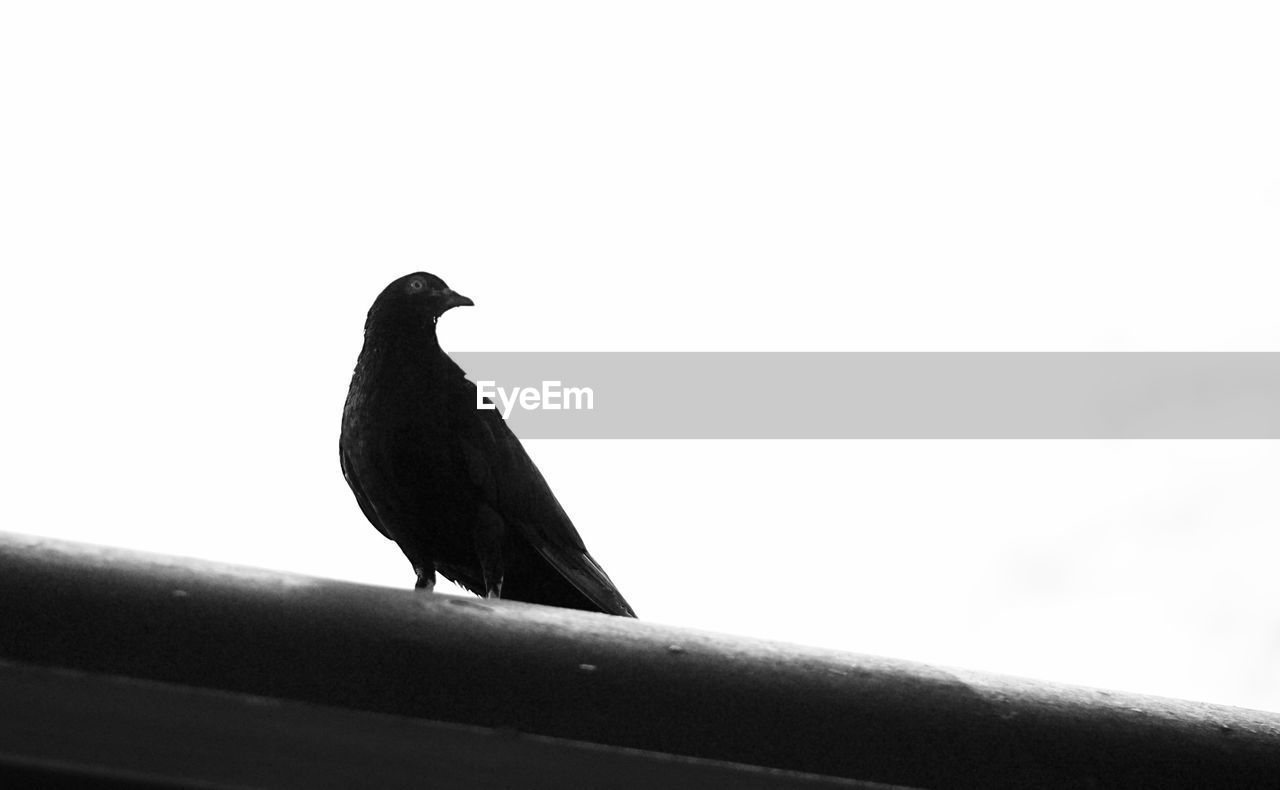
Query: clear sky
x=200, y=201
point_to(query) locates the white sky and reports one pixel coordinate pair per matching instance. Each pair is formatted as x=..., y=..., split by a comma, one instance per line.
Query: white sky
x=199, y=202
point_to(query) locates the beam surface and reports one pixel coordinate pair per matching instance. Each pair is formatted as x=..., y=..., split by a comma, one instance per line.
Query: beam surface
x=604, y=680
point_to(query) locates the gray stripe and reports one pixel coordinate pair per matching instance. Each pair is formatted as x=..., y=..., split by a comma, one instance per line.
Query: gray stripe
x=817, y=395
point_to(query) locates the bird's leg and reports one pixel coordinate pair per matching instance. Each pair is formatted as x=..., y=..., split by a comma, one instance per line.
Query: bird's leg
x=488, y=532
x=426, y=578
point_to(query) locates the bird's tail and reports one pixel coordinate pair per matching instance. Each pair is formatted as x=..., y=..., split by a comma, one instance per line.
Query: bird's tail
x=556, y=576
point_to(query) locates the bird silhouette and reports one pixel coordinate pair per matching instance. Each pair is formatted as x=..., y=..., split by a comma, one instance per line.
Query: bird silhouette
x=448, y=482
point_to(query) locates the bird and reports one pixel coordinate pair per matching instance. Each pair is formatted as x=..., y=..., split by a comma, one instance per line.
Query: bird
x=447, y=481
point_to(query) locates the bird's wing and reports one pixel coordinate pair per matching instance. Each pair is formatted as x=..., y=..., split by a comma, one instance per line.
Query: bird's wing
x=362, y=499
x=511, y=484
x=543, y=523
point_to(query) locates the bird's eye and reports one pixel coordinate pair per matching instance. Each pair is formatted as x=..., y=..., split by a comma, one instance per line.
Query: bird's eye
x=415, y=285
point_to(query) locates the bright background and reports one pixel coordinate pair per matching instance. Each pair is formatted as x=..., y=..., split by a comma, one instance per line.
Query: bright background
x=198, y=202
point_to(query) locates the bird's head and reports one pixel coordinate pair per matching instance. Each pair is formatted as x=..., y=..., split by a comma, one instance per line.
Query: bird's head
x=418, y=298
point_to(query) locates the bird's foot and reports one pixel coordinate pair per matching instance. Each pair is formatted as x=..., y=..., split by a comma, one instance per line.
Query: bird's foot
x=426, y=579
x=495, y=590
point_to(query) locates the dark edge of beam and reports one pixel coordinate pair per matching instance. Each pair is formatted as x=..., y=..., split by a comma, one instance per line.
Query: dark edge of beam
x=606, y=680
x=108, y=731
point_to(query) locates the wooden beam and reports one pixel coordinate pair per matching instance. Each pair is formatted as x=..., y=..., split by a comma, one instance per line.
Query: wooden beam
x=610, y=681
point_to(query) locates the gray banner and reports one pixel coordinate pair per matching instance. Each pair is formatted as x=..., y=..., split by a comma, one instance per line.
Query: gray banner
x=817, y=395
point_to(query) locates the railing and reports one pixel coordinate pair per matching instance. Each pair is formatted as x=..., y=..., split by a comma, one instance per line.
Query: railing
x=118, y=666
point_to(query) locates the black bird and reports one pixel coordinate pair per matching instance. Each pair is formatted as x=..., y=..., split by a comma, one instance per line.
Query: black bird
x=450, y=483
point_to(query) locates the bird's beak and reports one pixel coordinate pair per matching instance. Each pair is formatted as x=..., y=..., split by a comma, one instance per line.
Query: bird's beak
x=454, y=299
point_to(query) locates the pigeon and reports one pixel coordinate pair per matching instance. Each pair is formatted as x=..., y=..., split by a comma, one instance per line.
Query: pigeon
x=447, y=481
